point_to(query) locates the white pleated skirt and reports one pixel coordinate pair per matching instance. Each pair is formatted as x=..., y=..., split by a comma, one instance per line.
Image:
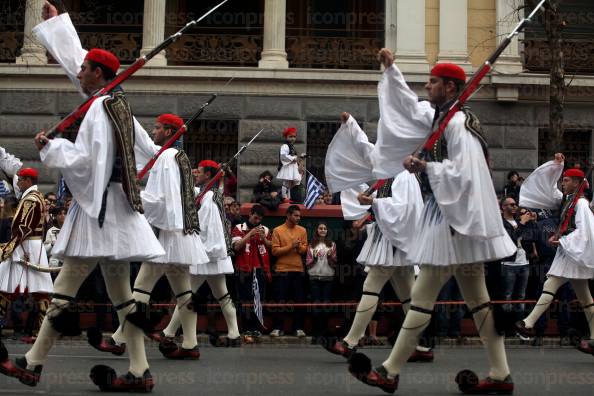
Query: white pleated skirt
x=379, y=251
x=289, y=172
x=125, y=236
x=436, y=244
x=565, y=267
x=15, y=276
x=215, y=267
x=181, y=249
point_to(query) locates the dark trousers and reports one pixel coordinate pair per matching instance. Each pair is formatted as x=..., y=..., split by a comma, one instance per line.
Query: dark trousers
x=244, y=282
x=321, y=292
x=290, y=288
x=449, y=317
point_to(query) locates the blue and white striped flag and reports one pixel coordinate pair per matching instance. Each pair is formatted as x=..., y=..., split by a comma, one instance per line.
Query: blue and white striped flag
x=257, y=302
x=3, y=189
x=314, y=189
x=61, y=194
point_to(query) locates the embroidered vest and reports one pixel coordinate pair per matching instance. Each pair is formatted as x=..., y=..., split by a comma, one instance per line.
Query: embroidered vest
x=191, y=223
x=565, y=203
x=385, y=191
x=439, y=151
x=120, y=115
x=28, y=216
x=218, y=199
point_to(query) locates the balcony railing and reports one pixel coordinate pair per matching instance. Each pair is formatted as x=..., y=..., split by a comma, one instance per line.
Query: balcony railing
x=10, y=46
x=216, y=49
x=333, y=52
x=578, y=55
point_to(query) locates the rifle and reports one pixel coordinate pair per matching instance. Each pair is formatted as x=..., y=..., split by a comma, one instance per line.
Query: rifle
x=567, y=214
x=183, y=129
x=472, y=85
x=224, y=165
x=470, y=88
x=123, y=76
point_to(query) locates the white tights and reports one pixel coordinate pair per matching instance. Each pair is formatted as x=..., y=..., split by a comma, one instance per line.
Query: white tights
x=117, y=281
x=179, y=279
x=471, y=281
x=550, y=287
x=401, y=278
x=218, y=287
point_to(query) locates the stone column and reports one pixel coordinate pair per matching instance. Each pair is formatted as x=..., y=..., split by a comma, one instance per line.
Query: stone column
x=509, y=61
x=453, y=33
x=274, y=55
x=153, y=30
x=405, y=33
x=32, y=52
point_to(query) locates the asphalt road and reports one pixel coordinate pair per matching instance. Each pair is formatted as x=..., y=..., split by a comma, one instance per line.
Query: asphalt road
x=285, y=369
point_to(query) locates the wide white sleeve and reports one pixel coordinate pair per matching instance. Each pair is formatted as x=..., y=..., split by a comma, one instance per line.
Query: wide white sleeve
x=539, y=190
x=579, y=244
x=87, y=163
x=462, y=184
x=285, y=157
x=403, y=126
x=351, y=208
x=398, y=216
x=59, y=37
x=211, y=226
x=161, y=198
x=348, y=162
x=144, y=147
x=9, y=163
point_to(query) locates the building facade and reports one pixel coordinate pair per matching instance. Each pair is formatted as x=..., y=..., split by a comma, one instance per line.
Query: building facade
x=300, y=63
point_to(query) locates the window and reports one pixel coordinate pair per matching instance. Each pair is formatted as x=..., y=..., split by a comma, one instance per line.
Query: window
x=576, y=146
x=578, y=39
x=12, y=25
x=335, y=34
x=211, y=139
x=109, y=24
x=230, y=36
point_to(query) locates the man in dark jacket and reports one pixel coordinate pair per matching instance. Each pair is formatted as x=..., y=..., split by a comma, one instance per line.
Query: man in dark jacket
x=515, y=269
x=265, y=193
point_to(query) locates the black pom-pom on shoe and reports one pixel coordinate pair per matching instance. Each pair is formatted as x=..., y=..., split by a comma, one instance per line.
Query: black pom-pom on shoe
x=466, y=380
x=167, y=346
x=94, y=336
x=103, y=376
x=359, y=364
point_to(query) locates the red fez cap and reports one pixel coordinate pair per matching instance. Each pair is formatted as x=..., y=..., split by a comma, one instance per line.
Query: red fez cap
x=170, y=119
x=574, y=172
x=105, y=58
x=208, y=164
x=290, y=131
x=28, y=172
x=449, y=70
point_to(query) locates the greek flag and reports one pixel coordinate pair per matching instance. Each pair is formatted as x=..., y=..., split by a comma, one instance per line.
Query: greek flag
x=61, y=190
x=3, y=189
x=314, y=189
x=257, y=302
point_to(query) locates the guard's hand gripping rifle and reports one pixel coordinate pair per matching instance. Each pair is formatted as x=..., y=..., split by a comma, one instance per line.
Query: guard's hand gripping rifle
x=123, y=76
